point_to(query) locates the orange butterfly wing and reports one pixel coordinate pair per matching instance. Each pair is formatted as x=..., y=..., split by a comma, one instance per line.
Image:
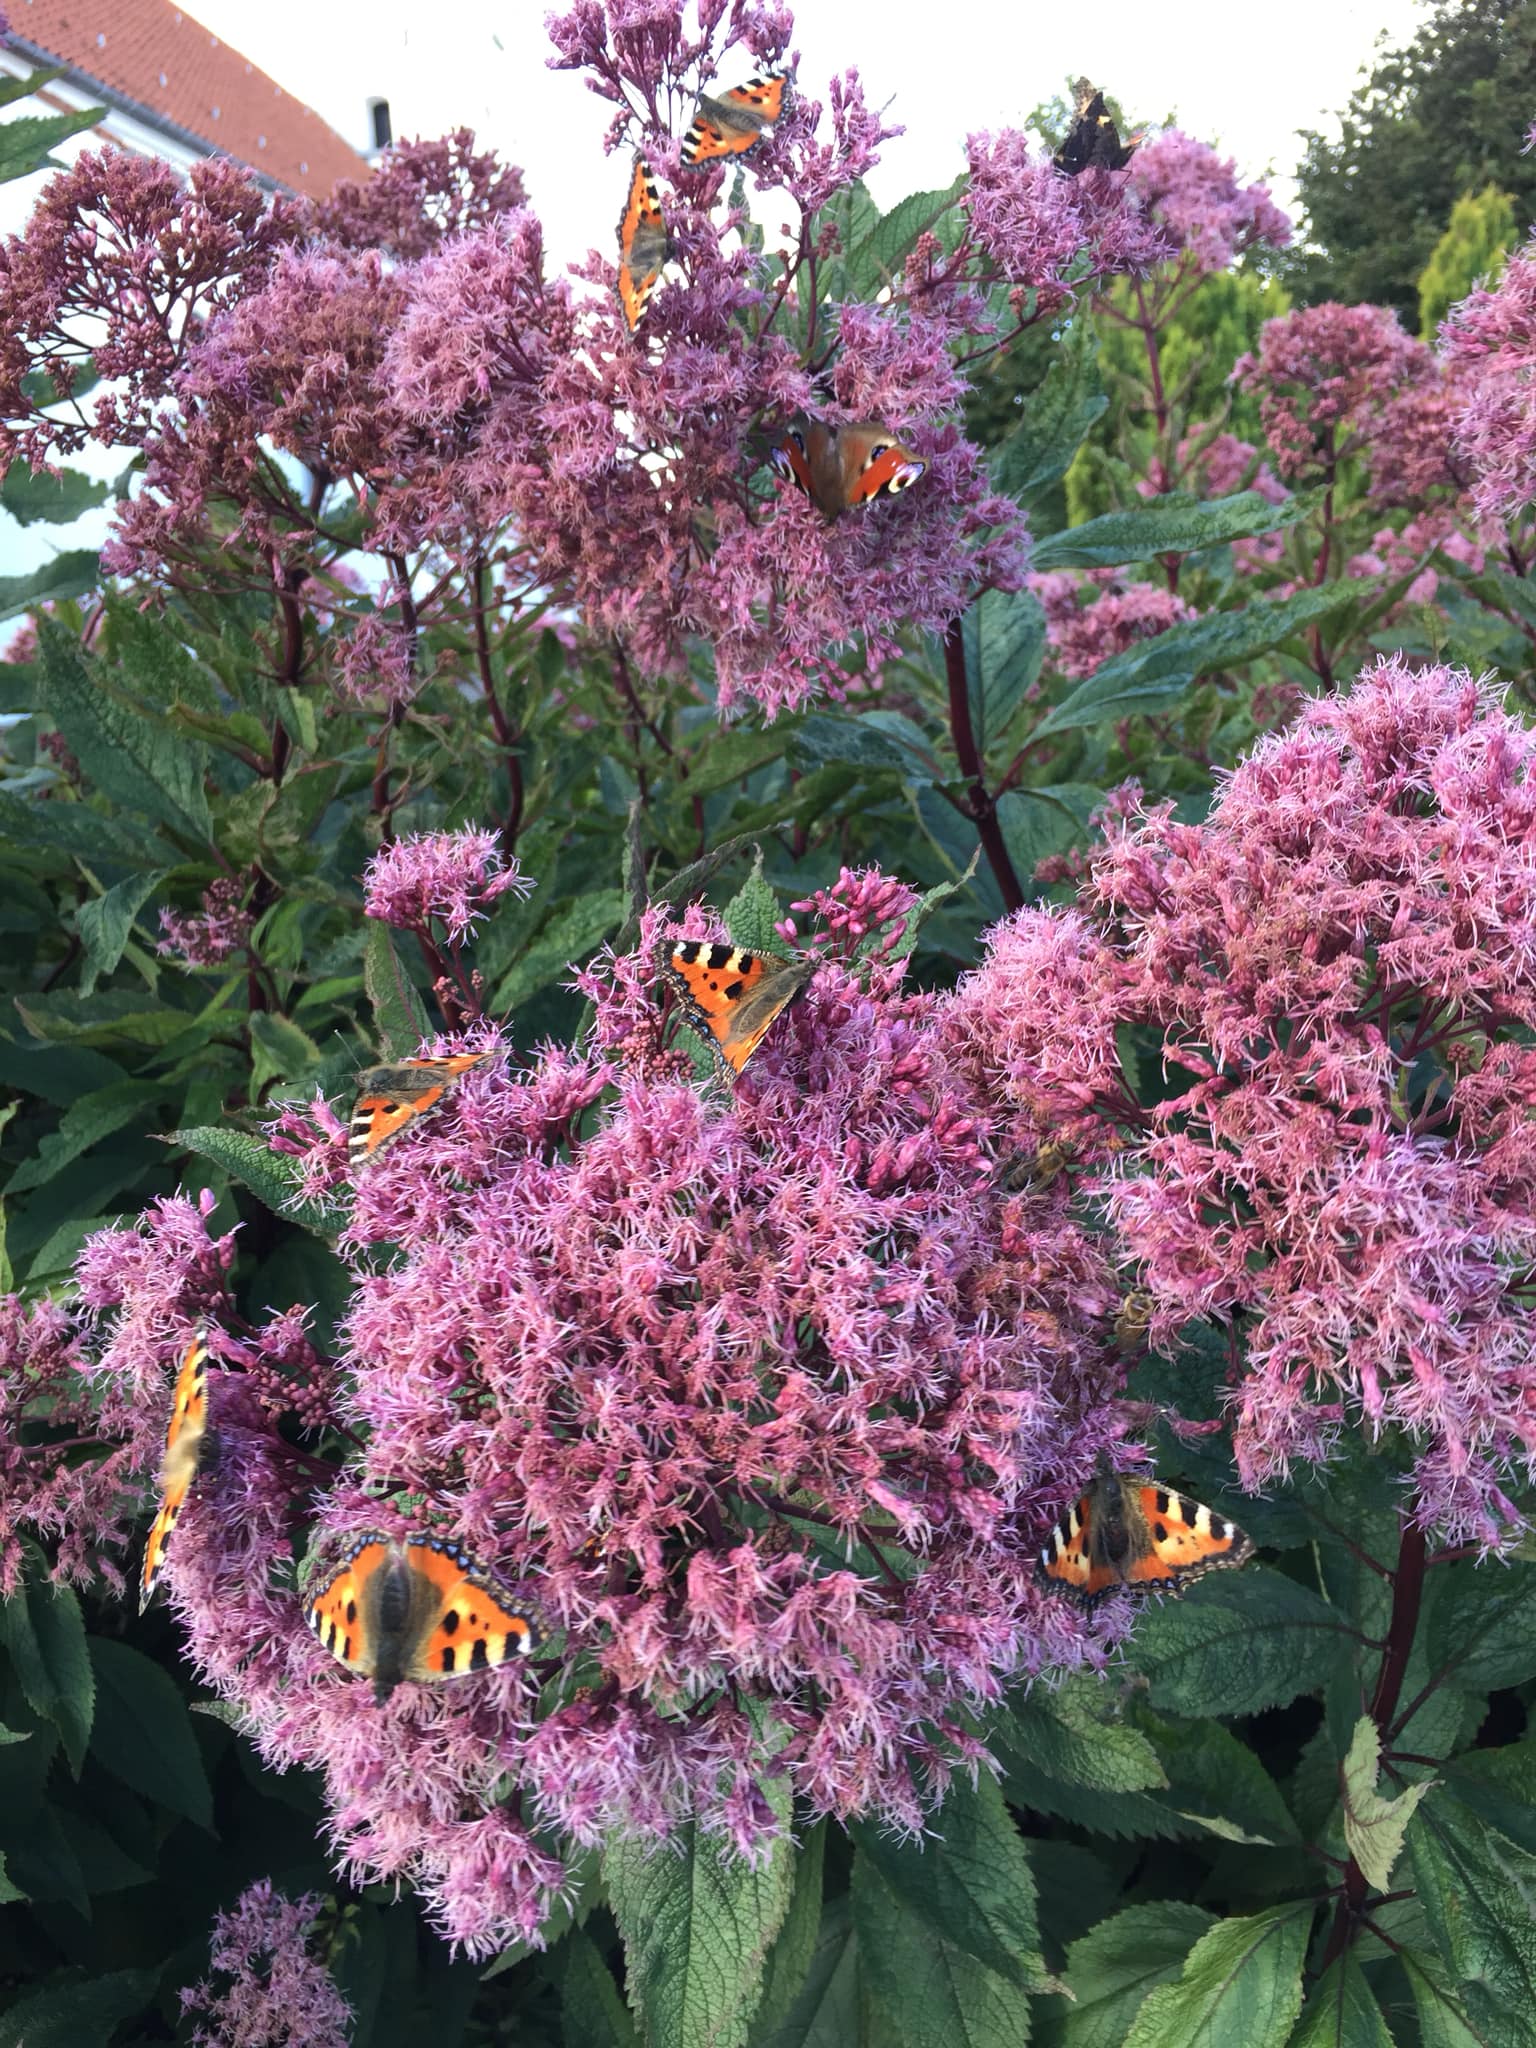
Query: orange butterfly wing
x=1185, y=1539
x=420, y=1610
x=791, y=463
x=184, y=1441
x=1067, y=1557
x=732, y=997
x=730, y=123
x=390, y=1098
x=875, y=465
x=643, y=244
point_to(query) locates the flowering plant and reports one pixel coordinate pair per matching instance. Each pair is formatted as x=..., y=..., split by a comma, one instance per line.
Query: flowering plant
x=475, y=1241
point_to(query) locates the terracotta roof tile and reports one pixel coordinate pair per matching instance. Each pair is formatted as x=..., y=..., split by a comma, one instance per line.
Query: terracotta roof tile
x=154, y=56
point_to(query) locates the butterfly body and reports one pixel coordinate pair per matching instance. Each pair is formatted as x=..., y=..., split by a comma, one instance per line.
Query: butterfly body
x=418, y=1609
x=1127, y=1531
x=391, y=1098
x=1093, y=141
x=187, y=1441
x=731, y=997
x=730, y=123
x=644, y=244
x=840, y=467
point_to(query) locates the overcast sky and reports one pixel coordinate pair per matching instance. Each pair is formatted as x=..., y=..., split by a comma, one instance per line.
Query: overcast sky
x=1244, y=77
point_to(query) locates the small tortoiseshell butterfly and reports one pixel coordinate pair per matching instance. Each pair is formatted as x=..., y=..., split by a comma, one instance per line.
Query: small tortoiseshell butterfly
x=389, y=1099
x=728, y=125
x=644, y=244
x=732, y=997
x=1127, y=1531
x=1093, y=141
x=185, y=1441
x=418, y=1609
x=841, y=466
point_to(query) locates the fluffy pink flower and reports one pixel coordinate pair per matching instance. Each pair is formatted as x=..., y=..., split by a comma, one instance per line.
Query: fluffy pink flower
x=763, y=1398
x=211, y=935
x=1491, y=338
x=1324, y=375
x=1051, y=235
x=267, y=1989
x=1193, y=196
x=420, y=194
x=1082, y=637
x=1341, y=958
x=453, y=877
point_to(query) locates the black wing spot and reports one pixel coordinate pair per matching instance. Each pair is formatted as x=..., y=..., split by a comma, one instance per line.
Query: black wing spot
x=1160, y=1532
x=718, y=957
x=479, y=1656
x=450, y=1621
x=688, y=951
x=1163, y=1500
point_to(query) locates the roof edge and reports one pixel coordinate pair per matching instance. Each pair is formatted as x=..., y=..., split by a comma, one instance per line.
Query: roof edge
x=200, y=145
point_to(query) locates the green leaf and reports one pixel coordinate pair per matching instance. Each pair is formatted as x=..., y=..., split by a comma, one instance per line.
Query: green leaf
x=71, y=574
x=1241, y=1986
x=1483, y=1625
x=1073, y=1734
x=269, y=1175
x=1162, y=527
x=752, y=913
x=733, y=756
x=142, y=766
x=143, y=1735
x=697, y=1923
x=105, y=924
x=1341, y=2013
x=858, y=741
x=1374, y=1827
x=972, y=1887
x=1110, y=1971
x=279, y=1050
x=825, y=2013
x=398, y=1011
x=885, y=249
x=1500, y=1785
x=84, y=1124
x=789, y=1960
x=926, y=905
x=1476, y=1888
x=1057, y=419
x=44, y=1634
x=73, y=829
x=590, y=2004
x=1443, y=2020
x=1237, y=1645
x=1004, y=638
x=566, y=941
x=26, y=141
x=1038, y=822
x=1156, y=672
x=1218, y=1781
x=930, y=1992
x=30, y=495
x=22, y=88
x=74, y=2011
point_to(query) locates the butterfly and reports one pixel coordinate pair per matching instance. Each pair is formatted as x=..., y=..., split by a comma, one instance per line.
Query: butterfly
x=841, y=466
x=732, y=123
x=1126, y=1531
x=418, y=1609
x=186, y=1439
x=644, y=244
x=731, y=997
x=1093, y=141
x=390, y=1098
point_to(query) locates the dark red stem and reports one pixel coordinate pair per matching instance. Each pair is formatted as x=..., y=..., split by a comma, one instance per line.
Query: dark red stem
x=982, y=808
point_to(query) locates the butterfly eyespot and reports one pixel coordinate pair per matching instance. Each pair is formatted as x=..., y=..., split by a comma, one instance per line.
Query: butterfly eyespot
x=880, y=448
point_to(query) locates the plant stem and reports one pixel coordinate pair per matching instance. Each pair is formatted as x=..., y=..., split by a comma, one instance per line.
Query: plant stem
x=983, y=809
x=1407, y=1597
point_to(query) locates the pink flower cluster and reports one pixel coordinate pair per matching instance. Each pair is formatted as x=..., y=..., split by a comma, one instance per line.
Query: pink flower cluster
x=1325, y=376
x=1343, y=960
x=209, y=936
x=1084, y=636
x=1491, y=338
x=1193, y=197
x=266, y=1989
x=452, y=877
x=765, y=1398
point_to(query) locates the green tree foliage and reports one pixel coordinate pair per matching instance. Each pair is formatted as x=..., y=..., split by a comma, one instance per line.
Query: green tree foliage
x=1472, y=251
x=1437, y=119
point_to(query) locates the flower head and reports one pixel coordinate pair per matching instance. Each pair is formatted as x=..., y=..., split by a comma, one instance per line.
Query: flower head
x=267, y=1989
x=209, y=936
x=1194, y=197
x=1491, y=338
x=453, y=877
